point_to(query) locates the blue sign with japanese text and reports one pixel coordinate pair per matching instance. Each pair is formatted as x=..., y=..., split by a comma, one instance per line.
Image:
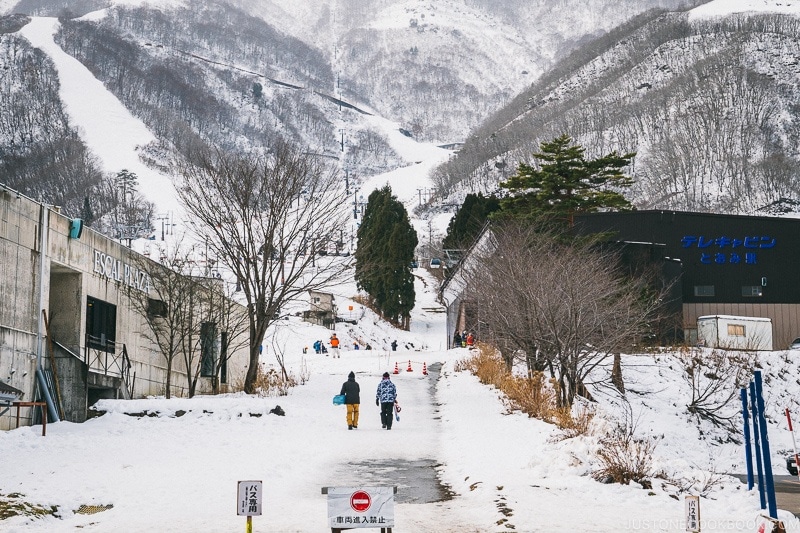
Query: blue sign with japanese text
x=724, y=250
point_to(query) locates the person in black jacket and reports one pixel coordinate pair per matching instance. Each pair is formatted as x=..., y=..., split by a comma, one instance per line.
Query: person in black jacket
x=352, y=399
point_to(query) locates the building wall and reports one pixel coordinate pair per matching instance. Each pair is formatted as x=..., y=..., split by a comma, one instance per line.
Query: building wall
x=767, y=252
x=73, y=271
x=785, y=318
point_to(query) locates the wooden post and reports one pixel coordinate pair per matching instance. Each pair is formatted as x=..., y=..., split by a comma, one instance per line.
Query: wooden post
x=33, y=405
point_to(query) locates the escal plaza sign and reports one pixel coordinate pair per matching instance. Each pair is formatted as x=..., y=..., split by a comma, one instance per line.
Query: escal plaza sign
x=115, y=270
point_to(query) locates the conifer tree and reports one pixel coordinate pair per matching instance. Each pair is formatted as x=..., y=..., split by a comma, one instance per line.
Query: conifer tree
x=468, y=220
x=386, y=243
x=566, y=183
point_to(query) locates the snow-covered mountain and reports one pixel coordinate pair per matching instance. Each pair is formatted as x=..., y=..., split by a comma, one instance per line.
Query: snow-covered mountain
x=707, y=99
x=437, y=69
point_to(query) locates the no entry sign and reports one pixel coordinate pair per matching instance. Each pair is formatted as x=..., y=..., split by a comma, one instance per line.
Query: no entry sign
x=360, y=501
x=354, y=507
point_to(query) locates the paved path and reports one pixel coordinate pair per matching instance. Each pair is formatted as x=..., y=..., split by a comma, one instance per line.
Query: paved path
x=417, y=481
x=787, y=492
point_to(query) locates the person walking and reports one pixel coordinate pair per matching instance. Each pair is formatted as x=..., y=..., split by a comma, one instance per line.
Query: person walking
x=352, y=399
x=335, y=345
x=394, y=345
x=385, y=398
x=456, y=340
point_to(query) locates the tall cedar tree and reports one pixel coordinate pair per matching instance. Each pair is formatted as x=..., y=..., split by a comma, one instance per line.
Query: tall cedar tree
x=566, y=183
x=386, y=243
x=468, y=220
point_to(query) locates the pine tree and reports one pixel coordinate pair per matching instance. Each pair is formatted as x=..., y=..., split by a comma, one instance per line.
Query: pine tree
x=566, y=183
x=87, y=214
x=386, y=243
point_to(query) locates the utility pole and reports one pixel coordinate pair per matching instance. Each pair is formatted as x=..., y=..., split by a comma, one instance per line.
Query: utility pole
x=430, y=235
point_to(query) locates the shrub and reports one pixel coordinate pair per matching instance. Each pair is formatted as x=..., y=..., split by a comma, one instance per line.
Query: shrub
x=534, y=395
x=625, y=457
x=271, y=383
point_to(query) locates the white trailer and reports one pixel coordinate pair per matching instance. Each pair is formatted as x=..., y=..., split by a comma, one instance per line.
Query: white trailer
x=734, y=332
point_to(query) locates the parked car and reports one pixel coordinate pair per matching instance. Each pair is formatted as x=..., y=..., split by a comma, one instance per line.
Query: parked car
x=791, y=465
x=795, y=344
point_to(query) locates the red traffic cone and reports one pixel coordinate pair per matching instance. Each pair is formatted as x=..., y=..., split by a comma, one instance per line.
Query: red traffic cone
x=396, y=370
x=424, y=368
x=409, y=369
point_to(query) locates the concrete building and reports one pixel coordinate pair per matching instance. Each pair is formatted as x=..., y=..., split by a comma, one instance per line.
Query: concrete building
x=322, y=310
x=69, y=330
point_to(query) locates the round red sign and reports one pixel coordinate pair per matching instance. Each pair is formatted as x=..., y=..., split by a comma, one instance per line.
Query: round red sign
x=360, y=501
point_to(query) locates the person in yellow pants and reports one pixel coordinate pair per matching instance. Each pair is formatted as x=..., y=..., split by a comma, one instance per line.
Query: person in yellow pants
x=352, y=399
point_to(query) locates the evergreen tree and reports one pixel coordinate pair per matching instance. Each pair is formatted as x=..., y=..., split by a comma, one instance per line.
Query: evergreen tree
x=386, y=243
x=566, y=183
x=468, y=220
x=87, y=213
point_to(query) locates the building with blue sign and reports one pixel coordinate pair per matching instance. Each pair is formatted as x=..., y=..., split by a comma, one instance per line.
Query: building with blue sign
x=726, y=264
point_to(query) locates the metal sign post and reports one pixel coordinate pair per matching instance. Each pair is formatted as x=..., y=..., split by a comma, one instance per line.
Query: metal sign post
x=794, y=443
x=249, y=501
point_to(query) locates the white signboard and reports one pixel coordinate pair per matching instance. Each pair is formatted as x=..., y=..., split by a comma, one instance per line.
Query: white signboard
x=248, y=502
x=692, y=513
x=354, y=507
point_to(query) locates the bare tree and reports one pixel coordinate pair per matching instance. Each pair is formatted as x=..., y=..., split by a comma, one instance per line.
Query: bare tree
x=715, y=378
x=264, y=217
x=188, y=317
x=562, y=305
x=168, y=308
x=230, y=318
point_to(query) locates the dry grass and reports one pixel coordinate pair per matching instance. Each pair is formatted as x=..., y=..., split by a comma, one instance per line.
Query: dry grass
x=271, y=383
x=535, y=396
x=624, y=457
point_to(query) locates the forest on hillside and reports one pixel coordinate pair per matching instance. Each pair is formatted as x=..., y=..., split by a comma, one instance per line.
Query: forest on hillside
x=708, y=106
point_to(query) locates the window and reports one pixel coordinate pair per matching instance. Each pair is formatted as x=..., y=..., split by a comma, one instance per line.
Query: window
x=752, y=290
x=736, y=330
x=101, y=325
x=156, y=308
x=223, y=367
x=208, y=349
x=704, y=290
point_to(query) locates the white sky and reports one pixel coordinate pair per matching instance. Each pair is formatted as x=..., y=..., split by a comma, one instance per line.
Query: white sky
x=727, y=7
x=180, y=474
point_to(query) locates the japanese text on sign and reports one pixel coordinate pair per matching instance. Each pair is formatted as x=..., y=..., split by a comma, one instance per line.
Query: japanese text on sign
x=714, y=250
x=360, y=507
x=249, y=498
x=692, y=513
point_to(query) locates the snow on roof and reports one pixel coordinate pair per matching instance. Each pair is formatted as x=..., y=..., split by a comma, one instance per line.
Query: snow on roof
x=733, y=317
